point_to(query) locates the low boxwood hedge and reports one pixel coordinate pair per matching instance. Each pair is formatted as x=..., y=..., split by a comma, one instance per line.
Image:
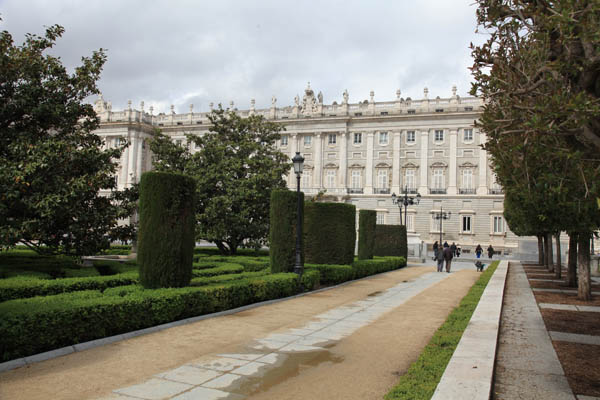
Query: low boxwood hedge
x=24, y=287
x=377, y=265
x=332, y=274
x=34, y=325
x=221, y=269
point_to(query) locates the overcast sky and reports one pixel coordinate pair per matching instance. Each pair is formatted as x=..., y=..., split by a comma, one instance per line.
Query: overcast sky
x=197, y=52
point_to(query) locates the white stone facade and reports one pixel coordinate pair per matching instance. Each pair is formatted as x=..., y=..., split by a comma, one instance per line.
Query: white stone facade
x=362, y=153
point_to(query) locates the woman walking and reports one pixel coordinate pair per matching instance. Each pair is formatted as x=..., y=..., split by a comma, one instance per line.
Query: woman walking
x=478, y=250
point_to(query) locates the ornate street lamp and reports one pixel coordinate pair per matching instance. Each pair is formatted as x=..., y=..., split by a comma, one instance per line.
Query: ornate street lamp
x=406, y=201
x=442, y=215
x=298, y=161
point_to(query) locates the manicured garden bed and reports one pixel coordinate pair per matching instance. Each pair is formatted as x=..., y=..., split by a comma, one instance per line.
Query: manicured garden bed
x=41, y=312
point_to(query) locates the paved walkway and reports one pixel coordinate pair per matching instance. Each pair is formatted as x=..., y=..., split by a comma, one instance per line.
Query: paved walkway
x=526, y=364
x=353, y=341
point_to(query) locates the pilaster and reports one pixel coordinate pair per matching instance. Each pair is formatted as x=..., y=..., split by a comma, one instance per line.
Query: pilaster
x=131, y=162
x=396, y=163
x=318, y=165
x=369, y=166
x=482, y=188
x=293, y=149
x=343, y=159
x=424, y=167
x=452, y=166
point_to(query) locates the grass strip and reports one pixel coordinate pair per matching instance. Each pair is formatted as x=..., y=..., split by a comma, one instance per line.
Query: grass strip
x=423, y=375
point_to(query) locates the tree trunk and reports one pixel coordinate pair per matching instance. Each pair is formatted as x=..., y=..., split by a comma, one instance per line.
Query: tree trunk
x=584, y=288
x=549, y=258
x=540, y=250
x=572, y=262
x=558, y=265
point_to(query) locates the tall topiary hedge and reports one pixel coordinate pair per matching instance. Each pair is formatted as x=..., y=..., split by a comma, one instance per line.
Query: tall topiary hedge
x=367, y=222
x=282, y=231
x=166, y=229
x=329, y=233
x=390, y=240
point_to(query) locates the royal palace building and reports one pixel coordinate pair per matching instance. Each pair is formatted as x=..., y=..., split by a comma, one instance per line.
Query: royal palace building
x=362, y=153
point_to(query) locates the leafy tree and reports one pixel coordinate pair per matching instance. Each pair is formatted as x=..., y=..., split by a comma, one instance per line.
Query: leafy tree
x=539, y=74
x=236, y=166
x=52, y=166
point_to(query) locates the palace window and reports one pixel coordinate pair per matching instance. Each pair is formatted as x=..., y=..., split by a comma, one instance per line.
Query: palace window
x=439, y=135
x=332, y=138
x=468, y=135
x=330, y=178
x=356, y=179
x=117, y=142
x=410, y=223
x=466, y=224
x=383, y=138
x=467, y=179
x=357, y=138
x=409, y=179
x=410, y=136
x=498, y=224
x=284, y=140
x=438, y=178
x=382, y=178
x=306, y=179
x=178, y=142
x=307, y=140
x=435, y=224
x=380, y=218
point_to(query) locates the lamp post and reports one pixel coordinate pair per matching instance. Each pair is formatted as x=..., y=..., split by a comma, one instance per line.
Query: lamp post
x=406, y=201
x=442, y=215
x=298, y=161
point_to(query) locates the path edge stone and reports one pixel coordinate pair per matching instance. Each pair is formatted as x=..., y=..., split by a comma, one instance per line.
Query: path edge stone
x=470, y=371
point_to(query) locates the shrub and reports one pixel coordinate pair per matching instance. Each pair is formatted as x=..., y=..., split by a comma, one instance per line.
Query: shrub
x=367, y=223
x=329, y=233
x=332, y=274
x=310, y=279
x=283, y=219
x=23, y=287
x=166, y=230
x=390, y=240
x=223, y=268
x=377, y=265
x=39, y=324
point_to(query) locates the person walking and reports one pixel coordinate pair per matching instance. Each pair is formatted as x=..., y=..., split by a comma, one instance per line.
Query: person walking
x=458, y=250
x=453, y=248
x=478, y=250
x=445, y=244
x=448, y=258
x=439, y=258
x=435, y=250
x=490, y=251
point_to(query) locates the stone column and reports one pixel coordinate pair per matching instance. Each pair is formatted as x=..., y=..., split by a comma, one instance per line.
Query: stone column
x=318, y=170
x=369, y=166
x=123, y=179
x=131, y=164
x=343, y=159
x=396, y=163
x=482, y=184
x=452, y=166
x=293, y=149
x=424, y=167
x=140, y=157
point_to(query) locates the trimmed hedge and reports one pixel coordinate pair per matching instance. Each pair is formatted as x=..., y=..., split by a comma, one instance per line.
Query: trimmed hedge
x=377, y=265
x=367, y=223
x=329, y=233
x=390, y=240
x=35, y=325
x=166, y=234
x=24, y=287
x=224, y=268
x=283, y=217
x=332, y=274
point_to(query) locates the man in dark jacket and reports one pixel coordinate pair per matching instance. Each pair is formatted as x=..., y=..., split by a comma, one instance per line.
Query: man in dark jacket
x=448, y=257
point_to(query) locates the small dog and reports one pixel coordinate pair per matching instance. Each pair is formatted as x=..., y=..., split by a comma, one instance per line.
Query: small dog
x=479, y=266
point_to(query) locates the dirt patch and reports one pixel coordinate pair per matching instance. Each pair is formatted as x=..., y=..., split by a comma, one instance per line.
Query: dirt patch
x=581, y=363
x=565, y=298
x=557, y=285
x=584, y=323
x=540, y=276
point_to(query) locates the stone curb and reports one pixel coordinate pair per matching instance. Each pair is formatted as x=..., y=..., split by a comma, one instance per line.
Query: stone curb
x=21, y=362
x=470, y=372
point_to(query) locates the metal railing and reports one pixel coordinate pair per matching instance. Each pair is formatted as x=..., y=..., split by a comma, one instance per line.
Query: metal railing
x=355, y=190
x=437, y=191
x=466, y=191
x=495, y=191
x=381, y=190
